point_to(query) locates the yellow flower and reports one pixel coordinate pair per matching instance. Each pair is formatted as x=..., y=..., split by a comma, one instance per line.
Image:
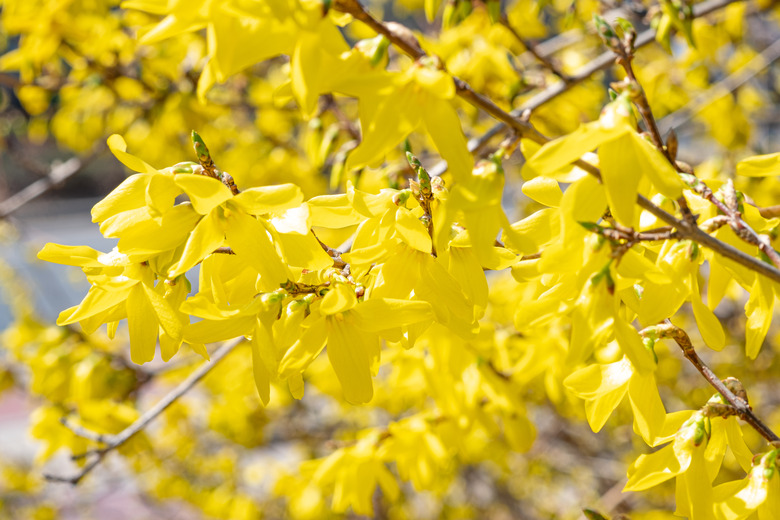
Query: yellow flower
x=351, y=330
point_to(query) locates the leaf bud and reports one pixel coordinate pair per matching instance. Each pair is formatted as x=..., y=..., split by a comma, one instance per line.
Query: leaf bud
x=423, y=177
x=700, y=432
x=649, y=344
x=200, y=147
x=184, y=167
x=591, y=226
x=274, y=297
x=736, y=387
x=607, y=33
x=593, y=515
x=400, y=198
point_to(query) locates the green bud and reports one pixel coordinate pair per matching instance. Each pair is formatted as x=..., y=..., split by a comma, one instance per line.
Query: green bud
x=699, y=436
x=414, y=162
x=591, y=226
x=200, y=147
x=274, y=297
x=494, y=10
x=649, y=344
x=380, y=52
x=184, y=167
x=606, y=32
x=423, y=178
x=593, y=515
x=400, y=198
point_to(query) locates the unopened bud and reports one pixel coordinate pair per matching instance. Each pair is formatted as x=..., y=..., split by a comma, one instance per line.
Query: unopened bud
x=400, y=198
x=184, y=167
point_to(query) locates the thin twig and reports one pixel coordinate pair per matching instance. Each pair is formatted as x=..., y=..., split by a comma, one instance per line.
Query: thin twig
x=532, y=48
x=740, y=405
x=601, y=62
x=722, y=88
x=625, y=53
x=403, y=39
x=114, y=441
x=57, y=174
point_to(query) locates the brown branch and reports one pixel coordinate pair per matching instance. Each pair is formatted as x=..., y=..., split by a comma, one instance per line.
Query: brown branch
x=345, y=123
x=9, y=80
x=625, y=52
x=532, y=48
x=114, y=441
x=404, y=40
x=335, y=254
x=601, y=62
x=739, y=403
x=58, y=173
x=727, y=85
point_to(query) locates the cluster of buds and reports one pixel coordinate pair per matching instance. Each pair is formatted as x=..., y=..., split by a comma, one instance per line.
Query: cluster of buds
x=620, y=39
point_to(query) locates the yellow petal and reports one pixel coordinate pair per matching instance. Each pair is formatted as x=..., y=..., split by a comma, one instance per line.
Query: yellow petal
x=164, y=313
x=306, y=349
x=118, y=146
x=146, y=234
x=655, y=167
x=709, y=325
x=597, y=380
x=465, y=268
x=81, y=256
x=536, y=230
x=649, y=412
x=208, y=235
x=412, y=231
x=205, y=193
x=560, y=153
x=650, y=470
x=303, y=251
x=142, y=325
x=268, y=199
x=760, y=165
x=96, y=301
x=543, y=190
x=212, y=331
x=249, y=240
x=632, y=346
x=161, y=193
x=131, y=194
x=759, y=315
x=377, y=314
x=351, y=354
x=260, y=373
x=620, y=177
x=340, y=298
x=443, y=125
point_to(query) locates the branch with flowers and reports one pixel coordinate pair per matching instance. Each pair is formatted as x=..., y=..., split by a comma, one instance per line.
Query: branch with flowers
x=402, y=316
